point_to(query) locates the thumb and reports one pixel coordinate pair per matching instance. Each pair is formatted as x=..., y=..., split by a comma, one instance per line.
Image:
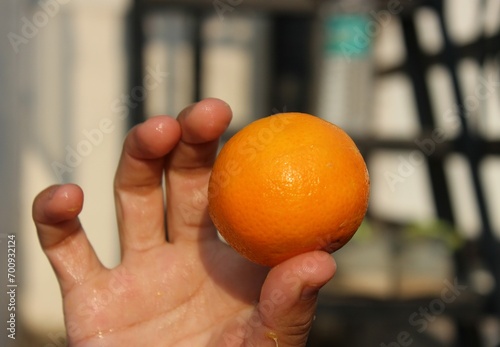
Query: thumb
x=289, y=294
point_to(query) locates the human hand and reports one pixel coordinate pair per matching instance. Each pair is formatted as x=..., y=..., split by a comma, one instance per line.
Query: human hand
x=189, y=290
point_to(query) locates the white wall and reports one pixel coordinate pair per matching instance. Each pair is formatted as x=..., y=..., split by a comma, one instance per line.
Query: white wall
x=71, y=70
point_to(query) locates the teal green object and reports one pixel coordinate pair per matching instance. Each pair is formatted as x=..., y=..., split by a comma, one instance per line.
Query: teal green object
x=349, y=35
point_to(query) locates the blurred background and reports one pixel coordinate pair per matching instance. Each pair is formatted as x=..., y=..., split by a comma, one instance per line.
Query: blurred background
x=416, y=83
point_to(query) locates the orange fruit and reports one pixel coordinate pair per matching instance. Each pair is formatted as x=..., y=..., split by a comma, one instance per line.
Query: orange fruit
x=288, y=184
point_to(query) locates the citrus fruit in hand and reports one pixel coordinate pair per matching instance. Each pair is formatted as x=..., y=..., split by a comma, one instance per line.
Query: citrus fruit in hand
x=285, y=185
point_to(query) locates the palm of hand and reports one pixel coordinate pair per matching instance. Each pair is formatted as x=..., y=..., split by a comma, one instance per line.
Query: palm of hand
x=190, y=291
x=148, y=300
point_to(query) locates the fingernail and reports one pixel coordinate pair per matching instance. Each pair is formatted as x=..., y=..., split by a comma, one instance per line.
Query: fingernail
x=53, y=191
x=309, y=292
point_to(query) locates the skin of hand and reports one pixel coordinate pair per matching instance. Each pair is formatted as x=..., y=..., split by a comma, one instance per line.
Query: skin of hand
x=177, y=283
